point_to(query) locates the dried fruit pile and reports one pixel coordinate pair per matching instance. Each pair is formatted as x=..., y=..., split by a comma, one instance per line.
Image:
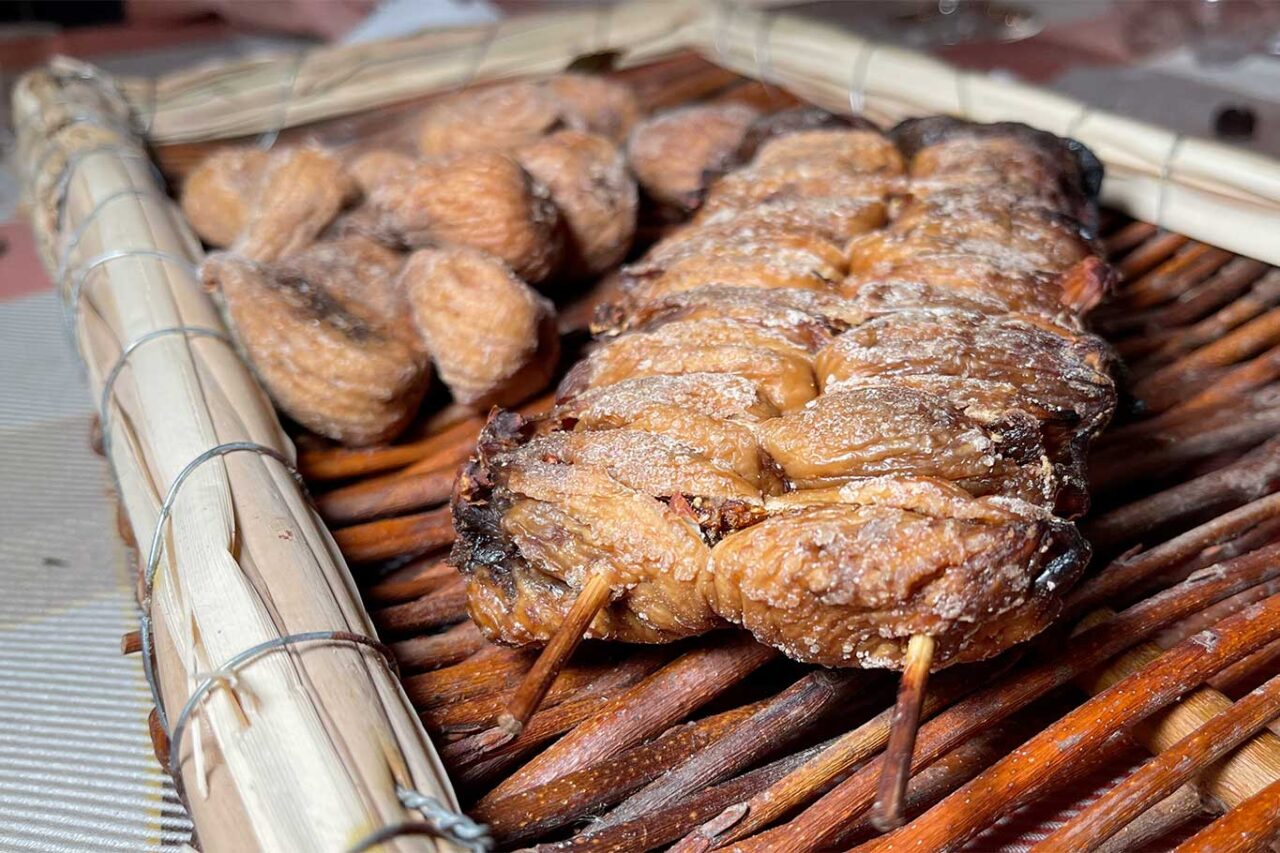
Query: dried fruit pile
x=846, y=406
x=345, y=277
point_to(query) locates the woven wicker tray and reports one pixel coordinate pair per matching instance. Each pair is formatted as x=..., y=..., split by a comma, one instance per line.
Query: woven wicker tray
x=637, y=748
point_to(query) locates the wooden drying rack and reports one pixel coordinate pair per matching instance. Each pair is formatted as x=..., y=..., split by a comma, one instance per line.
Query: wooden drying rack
x=716, y=740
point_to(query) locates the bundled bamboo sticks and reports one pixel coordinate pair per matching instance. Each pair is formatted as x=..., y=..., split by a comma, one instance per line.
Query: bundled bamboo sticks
x=307, y=741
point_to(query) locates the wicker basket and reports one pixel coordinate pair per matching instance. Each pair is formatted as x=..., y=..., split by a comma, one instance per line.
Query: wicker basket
x=292, y=728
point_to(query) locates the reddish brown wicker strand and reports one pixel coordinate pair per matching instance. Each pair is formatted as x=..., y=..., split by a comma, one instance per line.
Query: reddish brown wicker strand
x=664, y=698
x=1162, y=775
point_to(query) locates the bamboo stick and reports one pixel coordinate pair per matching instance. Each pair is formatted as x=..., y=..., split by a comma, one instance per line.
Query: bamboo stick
x=1164, y=774
x=337, y=463
x=445, y=606
x=813, y=777
x=1129, y=570
x=431, y=651
x=1232, y=779
x=654, y=830
x=1251, y=477
x=420, y=577
x=1129, y=238
x=781, y=720
x=1238, y=292
x=396, y=537
x=1152, y=174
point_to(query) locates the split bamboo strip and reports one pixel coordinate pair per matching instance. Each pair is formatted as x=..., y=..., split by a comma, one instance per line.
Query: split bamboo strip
x=303, y=746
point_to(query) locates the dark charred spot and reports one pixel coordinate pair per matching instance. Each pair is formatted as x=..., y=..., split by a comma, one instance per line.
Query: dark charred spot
x=313, y=301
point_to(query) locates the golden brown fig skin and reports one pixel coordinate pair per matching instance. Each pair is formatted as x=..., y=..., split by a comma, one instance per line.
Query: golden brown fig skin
x=604, y=106
x=378, y=167
x=324, y=358
x=496, y=118
x=591, y=186
x=302, y=191
x=482, y=201
x=558, y=523
x=218, y=196
x=674, y=153
x=508, y=115
x=849, y=578
x=492, y=337
x=361, y=274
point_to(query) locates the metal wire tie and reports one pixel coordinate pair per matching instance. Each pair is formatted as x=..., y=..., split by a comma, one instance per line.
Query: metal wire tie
x=83, y=226
x=108, y=386
x=1166, y=169
x=228, y=669
x=157, y=544
x=858, y=78
x=442, y=822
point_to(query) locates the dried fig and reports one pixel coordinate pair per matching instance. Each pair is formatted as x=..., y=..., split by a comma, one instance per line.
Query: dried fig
x=673, y=153
x=303, y=189
x=590, y=184
x=218, y=196
x=498, y=118
x=326, y=359
x=374, y=168
x=604, y=106
x=492, y=337
x=485, y=201
x=357, y=271
x=368, y=221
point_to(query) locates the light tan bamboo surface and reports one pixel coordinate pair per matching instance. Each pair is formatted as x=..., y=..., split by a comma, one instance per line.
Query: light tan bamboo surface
x=304, y=747
x=1209, y=191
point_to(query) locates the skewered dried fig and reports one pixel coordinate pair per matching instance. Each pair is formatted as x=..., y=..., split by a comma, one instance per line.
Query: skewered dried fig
x=374, y=168
x=595, y=193
x=495, y=119
x=326, y=358
x=605, y=106
x=795, y=120
x=302, y=191
x=492, y=337
x=673, y=153
x=484, y=201
x=218, y=195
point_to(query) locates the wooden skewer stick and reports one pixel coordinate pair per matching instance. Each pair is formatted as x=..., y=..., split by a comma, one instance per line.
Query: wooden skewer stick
x=886, y=814
x=131, y=643
x=538, y=680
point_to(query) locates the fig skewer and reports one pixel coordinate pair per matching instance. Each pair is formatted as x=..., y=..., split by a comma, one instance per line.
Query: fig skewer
x=594, y=596
x=886, y=814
